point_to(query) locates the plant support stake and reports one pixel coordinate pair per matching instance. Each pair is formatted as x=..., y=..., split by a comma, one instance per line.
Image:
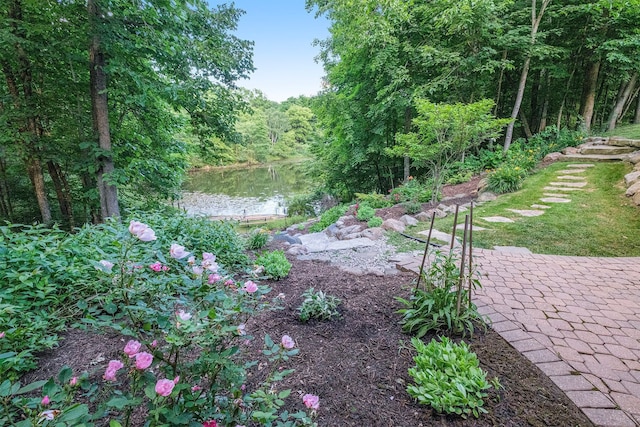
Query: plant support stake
x=426, y=248
x=462, y=265
x=470, y=251
x=455, y=224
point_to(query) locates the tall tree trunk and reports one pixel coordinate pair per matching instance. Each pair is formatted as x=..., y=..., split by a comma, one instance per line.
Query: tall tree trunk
x=534, y=105
x=499, y=91
x=37, y=179
x=406, y=160
x=535, y=23
x=588, y=98
x=623, y=95
x=63, y=192
x=4, y=188
x=636, y=118
x=99, y=106
x=525, y=124
x=545, y=105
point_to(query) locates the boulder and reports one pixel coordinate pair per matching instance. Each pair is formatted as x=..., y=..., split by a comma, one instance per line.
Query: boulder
x=393, y=224
x=634, y=189
x=636, y=198
x=343, y=232
x=426, y=216
x=634, y=157
x=284, y=237
x=374, y=233
x=570, y=150
x=632, y=178
x=624, y=142
x=408, y=220
x=332, y=230
x=487, y=196
x=352, y=236
x=552, y=157
x=296, y=250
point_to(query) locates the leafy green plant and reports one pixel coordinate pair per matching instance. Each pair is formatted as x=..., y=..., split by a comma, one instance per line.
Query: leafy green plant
x=365, y=213
x=276, y=266
x=376, y=221
x=318, y=305
x=257, y=239
x=301, y=205
x=328, y=217
x=448, y=378
x=412, y=190
x=443, y=304
x=506, y=179
x=412, y=207
x=375, y=200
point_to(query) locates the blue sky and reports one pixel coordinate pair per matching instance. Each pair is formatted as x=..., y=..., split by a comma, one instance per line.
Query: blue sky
x=283, y=32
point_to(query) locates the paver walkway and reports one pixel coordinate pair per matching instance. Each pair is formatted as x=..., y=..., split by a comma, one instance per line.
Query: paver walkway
x=576, y=318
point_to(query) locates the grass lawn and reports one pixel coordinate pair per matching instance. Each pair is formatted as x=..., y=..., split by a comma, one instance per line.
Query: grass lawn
x=599, y=220
x=628, y=131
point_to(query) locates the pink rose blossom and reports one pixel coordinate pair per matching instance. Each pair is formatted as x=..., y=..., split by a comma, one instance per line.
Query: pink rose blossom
x=143, y=360
x=210, y=423
x=176, y=379
x=197, y=270
x=287, y=342
x=147, y=235
x=45, y=401
x=132, y=348
x=177, y=251
x=165, y=268
x=165, y=387
x=196, y=388
x=250, y=287
x=142, y=231
x=156, y=266
x=208, y=262
x=2, y=334
x=154, y=343
x=108, y=265
x=311, y=401
x=191, y=260
x=229, y=283
x=110, y=373
x=73, y=381
x=213, y=278
x=183, y=315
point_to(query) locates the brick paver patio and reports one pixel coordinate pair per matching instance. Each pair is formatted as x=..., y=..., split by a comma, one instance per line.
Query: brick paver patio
x=576, y=318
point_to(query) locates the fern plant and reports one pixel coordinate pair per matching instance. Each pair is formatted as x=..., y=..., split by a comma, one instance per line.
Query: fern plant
x=318, y=305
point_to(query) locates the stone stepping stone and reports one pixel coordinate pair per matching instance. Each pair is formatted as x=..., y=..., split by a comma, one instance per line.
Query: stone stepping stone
x=580, y=165
x=554, y=195
x=571, y=178
x=527, y=212
x=568, y=184
x=475, y=227
x=561, y=189
x=497, y=219
x=535, y=206
x=555, y=200
x=572, y=171
x=512, y=249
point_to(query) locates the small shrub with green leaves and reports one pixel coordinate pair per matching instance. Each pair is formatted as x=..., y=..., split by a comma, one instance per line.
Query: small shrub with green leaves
x=376, y=221
x=448, y=378
x=412, y=207
x=318, y=305
x=506, y=179
x=412, y=190
x=375, y=200
x=443, y=304
x=328, y=217
x=257, y=239
x=276, y=266
x=301, y=205
x=365, y=213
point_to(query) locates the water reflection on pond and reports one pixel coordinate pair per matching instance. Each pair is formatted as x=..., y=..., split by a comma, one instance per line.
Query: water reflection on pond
x=261, y=190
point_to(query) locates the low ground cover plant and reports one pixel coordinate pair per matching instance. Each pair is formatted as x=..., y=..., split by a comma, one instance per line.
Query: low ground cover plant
x=318, y=305
x=329, y=217
x=257, y=239
x=276, y=266
x=376, y=221
x=447, y=376
x=365, y=212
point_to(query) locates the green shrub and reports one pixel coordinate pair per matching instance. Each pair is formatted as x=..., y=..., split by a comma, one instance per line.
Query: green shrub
x=276, y=266
x=375, y=200
x=365, y=213
x=435, y=307
x=376, y=221
x=448, y=378
x=506, y=179
x=301, y=205
x=412, y=190
x=257, y=239
x=459, y=177
x=318, y=305
x=412, y=207
x=329, y=217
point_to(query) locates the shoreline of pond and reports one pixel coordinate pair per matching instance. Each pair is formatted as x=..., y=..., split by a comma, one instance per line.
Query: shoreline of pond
x=238, y=166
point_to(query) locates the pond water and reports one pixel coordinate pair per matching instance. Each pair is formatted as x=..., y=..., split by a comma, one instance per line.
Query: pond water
x=252, y=191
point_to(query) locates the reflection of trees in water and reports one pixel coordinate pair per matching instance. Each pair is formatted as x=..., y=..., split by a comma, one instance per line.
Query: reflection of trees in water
x=264, y=181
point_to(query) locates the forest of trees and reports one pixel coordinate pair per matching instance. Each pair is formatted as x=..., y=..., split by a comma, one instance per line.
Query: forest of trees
x=106, y=103
x=562, y=63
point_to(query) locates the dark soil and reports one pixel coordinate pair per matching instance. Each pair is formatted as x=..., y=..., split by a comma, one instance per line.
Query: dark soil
x=358, y=364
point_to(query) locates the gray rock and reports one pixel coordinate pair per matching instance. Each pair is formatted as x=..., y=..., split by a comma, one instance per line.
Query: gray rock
x=552, y=157
x=636, y=198
x=374, y=233
x=408, y=220
x=624, y=142
x=332, y=230
x=423, y=217
x=634, y=189
x=376, y=271
x=353, y=270
x=634, y=157
x=284, y=237
x=346, y=218
x=343, y=232
x=632, y=178
x=570, y=150
x=487, y=196
x=297, y=250
x=352, y=236
x=393, y=224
